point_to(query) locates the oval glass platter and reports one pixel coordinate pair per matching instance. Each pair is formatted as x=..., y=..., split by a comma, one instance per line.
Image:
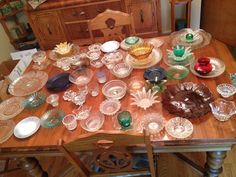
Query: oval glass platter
x=154, y=58
x=28, y=83
x=218, y=67
x=27, y=127
x=11, y=107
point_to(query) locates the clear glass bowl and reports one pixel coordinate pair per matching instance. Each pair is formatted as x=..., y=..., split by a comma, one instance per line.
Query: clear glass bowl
x=115, y=89
x=226, y=90
x=93, y=123
x=110, y=107
x=177, y=72
x=81, y=77
x=222, y=109
x=122, y=70
x=82, y=112
x=35, y=100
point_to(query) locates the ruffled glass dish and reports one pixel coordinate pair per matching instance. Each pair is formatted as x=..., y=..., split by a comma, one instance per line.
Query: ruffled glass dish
x=7, y=128
x=82, y=112
x=222, y=109
x=81, y=77
x=179, y=128
x=35, y=100
x=11, y=107
x=52, y=118
x=114, y=89
x=226, y=90
x=93, y=123
x=122, y=70
x=141, y=51
x=144, y=99
x=154, y=74
x=188, y=100
x=177, y=72
x=110, y=107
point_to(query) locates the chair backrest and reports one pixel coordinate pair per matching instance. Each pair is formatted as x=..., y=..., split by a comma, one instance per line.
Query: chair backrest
x=111, y=24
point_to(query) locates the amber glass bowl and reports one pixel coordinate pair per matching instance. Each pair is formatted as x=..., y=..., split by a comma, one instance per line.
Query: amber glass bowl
x=141, y=51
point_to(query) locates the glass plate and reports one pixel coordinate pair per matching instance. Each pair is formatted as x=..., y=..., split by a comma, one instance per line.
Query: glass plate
x=179, y=127
x=218, y=67
x=11, y=107
x=28, y=83
x=52, y=118
x=55, y=57
x=155, y=57
x=27, y=127
x=7, y=128
x=59, y=82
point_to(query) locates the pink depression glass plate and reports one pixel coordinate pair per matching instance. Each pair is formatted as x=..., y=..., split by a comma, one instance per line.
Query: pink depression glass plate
x=11, y=107
x=179, y=127
x=28, y=83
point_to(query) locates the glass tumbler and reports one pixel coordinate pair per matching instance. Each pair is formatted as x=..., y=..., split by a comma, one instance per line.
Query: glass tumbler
x=93, y=89
x=70, y=122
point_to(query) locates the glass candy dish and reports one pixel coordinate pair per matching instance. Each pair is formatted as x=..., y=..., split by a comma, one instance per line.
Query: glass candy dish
x=110, y=107
x=141, y=51
x=93, y=123
x=154, y=74
x=110, y=46
x=179, y=128
x=125, y=120
x=82, y=112
x=122, y=70
x=94, y=54
x=52, y=118
x=226, y=90
x=188, y=100
x=177, y=72
x=114, y=89
x=7, y=129
x=222, y=109
x=81, y=76
x=35, y=100
x=178, y=51
x=144, y=99
x=126, y=46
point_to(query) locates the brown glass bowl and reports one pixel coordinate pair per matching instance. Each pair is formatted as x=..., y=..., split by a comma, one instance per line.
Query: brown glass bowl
x=141, y=51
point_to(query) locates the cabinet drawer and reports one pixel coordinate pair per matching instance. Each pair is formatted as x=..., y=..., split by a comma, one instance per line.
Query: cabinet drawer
x=77, y=31
x=88, y=12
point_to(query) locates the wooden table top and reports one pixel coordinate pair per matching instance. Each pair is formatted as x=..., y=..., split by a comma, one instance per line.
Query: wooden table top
x=207, y=129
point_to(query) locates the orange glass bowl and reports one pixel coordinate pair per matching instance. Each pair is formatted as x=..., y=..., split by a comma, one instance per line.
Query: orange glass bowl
x=141, y=51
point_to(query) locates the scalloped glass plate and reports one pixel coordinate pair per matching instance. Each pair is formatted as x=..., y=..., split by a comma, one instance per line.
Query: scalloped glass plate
x=28, y=83
x=179, y=128
x=11, y=107
x=218, y=68
x=7, y=128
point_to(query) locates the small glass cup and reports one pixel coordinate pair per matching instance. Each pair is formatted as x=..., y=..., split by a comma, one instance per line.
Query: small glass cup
x=101, y=77
x=70, y=122
x=53, y=100
x=124, y=119
x=93, y=89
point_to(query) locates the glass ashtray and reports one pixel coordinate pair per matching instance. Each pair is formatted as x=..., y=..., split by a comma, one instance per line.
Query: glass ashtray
x=110, y=107
x=226, y=90
x=122, y=70
x=177, y=72
x=93, y=123
x=179, y=127
x=114, y=89
x=222, y=109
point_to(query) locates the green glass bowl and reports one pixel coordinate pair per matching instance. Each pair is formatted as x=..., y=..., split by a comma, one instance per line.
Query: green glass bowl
x=176, y=72
x=131, y=40
x=52, y=118
x=179, y=50
x=34, y=100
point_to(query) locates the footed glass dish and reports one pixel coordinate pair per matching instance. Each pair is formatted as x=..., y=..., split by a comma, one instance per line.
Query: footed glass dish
x=34, y=100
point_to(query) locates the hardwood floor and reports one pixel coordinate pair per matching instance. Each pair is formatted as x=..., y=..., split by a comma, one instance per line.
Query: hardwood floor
x=169, y=166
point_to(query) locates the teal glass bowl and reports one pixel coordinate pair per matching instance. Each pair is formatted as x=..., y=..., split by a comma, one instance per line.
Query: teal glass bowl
x=177, y=72
x=34, y=100
x=52, y=118
x=131, y=40
x=179, y=50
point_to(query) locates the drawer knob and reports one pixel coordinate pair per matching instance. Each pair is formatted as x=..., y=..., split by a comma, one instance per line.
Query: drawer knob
x=141, y=13
x=82, y=13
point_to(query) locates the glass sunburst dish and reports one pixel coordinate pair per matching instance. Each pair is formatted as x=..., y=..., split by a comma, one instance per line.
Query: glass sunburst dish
x=144, y=99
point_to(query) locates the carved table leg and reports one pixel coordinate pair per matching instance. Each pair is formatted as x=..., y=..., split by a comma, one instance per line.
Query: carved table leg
x=213, y=166
x=31, y=166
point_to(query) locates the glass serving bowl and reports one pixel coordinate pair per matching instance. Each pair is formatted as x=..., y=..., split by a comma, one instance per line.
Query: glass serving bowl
x=226, y=90
x=110, y=107
x=141, y=51
x=34, y=100
x=52, y=118
x=222, y=109
x=93, y=123
x=81, y=77
x=177, y=72
x=122, y=70
x=114, y=89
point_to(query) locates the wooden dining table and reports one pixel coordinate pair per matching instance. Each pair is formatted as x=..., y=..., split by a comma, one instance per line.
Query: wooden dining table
x=209, y=135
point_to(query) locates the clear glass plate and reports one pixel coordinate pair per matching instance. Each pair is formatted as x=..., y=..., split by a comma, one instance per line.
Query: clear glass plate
x=7, y=128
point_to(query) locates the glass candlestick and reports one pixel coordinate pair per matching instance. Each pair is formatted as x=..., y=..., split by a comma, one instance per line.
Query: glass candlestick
x=124, y=119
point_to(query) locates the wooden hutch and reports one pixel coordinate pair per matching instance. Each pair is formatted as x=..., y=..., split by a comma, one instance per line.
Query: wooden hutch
x=66, y=20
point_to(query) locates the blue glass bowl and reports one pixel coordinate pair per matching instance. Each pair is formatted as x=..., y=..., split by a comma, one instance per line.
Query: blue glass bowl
x=34, y=100
x=58, y=82
x=154, y=74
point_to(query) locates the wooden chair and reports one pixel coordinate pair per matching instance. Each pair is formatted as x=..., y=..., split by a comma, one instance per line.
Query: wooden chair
x=110, y=154
x=111, y=24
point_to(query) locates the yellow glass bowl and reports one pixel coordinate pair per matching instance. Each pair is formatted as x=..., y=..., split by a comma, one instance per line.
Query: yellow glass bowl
x=141, y=51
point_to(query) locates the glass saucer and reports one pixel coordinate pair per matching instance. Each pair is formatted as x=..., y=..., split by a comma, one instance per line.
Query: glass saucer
x=11, y=107
x=52, y=118
x=179, y=128
x=7, y=128
x=218, y=68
